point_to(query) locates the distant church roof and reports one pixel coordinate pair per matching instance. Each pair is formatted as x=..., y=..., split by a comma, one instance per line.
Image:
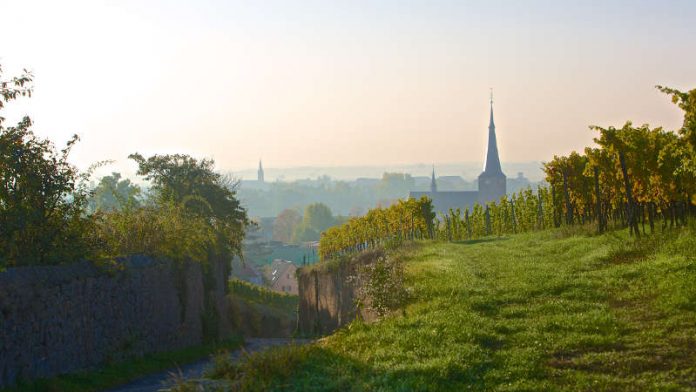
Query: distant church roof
x=492, y=159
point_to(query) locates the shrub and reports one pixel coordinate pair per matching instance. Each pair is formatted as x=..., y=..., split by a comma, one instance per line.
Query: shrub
x=380, y=283
x=166, y=230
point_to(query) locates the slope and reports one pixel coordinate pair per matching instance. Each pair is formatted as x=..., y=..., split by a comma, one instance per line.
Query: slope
x=549, y=310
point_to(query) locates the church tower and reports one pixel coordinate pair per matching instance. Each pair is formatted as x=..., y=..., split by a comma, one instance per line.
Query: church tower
x=433, y=184
x=492, y=182
x=260, y=173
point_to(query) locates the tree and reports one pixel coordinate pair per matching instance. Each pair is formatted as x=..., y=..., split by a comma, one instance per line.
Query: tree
x=18, y=86
x=42, y=197
x=317, y=218
x=113, y=193
x=686, y=102
x=285, y=225
x=194, y=185
x=568, y=175
x=686, y=150
x=305, y=234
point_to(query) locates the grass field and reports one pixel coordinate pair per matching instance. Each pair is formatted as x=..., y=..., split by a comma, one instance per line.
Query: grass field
x=542, y=311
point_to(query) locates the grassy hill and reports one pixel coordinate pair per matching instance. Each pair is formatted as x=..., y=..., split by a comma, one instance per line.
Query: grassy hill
x=542, y=311
x=260, y=312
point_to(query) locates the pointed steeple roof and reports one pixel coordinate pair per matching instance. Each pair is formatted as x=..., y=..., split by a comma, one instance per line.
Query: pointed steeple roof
x=433, y=183
x=260, y=176
x=492, y=158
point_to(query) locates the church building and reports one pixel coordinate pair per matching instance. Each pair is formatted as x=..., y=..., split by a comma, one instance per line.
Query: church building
x=491, y=182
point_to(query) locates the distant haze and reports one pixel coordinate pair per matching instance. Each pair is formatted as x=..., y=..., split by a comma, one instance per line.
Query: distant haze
x=469, y=171
x=352, y=83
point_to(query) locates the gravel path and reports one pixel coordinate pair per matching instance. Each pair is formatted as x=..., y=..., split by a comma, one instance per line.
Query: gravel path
x=158, y=381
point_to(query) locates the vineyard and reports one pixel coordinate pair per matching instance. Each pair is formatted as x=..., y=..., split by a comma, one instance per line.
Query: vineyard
x=407, y=219
x=633, y=177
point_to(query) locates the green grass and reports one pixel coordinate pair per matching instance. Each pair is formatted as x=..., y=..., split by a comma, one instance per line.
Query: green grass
x=252, y=293
x=545, y=311
x=261, y=312
x=115, y=374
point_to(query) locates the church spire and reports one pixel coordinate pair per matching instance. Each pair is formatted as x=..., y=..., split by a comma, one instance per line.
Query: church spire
x=491, y=124
x=433, y=184
x=260, y=172
x=492, y=159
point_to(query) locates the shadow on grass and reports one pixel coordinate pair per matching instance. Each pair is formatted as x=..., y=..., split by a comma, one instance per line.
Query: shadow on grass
x=480, y=240
x=315, y=368
x=114, y=374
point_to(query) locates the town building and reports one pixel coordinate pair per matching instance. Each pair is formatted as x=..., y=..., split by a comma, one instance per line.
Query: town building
x=281, y=277
x=491, y=182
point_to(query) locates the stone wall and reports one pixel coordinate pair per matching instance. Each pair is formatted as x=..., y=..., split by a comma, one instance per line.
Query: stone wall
x=328, y=297
x=60, y=319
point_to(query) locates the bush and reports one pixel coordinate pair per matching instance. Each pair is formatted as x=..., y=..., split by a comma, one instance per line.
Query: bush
x=159, y=231
x=380, y=283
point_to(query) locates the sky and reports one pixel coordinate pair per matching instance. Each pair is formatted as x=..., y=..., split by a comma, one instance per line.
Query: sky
x=343, y=83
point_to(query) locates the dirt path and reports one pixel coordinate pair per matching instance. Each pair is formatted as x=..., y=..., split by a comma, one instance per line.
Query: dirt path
x=162, y=380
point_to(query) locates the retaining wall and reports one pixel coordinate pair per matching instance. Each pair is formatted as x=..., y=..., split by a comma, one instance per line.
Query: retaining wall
x=328, y=297
x=60, y=319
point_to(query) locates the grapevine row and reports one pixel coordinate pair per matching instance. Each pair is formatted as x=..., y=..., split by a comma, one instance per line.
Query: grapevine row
x=633, y=176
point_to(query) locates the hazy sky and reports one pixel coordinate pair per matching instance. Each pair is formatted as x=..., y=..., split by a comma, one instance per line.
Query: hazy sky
x=327, y=83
